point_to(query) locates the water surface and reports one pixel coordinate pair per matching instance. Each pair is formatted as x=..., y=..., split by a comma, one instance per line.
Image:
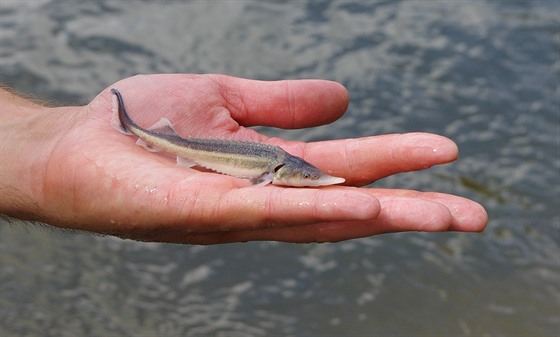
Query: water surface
x=484, y=73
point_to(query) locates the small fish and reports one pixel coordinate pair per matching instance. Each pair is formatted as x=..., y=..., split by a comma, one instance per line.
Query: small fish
x=260, y=163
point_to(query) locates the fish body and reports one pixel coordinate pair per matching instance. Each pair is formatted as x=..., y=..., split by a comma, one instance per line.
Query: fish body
x=261, y=163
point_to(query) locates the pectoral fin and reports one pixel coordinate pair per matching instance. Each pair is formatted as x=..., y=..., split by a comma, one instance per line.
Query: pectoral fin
x=264, y=179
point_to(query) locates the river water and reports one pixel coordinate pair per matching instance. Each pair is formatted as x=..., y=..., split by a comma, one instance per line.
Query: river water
x=484, y=73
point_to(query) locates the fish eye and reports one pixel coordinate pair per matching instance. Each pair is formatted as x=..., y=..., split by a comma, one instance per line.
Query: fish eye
x=306, y=175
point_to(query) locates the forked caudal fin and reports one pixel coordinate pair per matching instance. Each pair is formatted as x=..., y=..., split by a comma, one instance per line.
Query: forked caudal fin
x=117, y=105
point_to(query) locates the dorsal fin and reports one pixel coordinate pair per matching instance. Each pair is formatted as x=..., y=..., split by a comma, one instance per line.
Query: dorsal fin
x=163, y=126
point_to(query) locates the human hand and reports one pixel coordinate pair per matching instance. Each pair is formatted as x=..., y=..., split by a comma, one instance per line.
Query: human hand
x=77, y=172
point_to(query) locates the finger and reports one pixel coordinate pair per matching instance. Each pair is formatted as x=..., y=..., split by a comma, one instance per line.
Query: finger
x=254, y=210
x=285, y=104
x=398, y=214
x=248, y=209
x=401, y=210
x=363, y=160
x=271, y=206
x=466, y=215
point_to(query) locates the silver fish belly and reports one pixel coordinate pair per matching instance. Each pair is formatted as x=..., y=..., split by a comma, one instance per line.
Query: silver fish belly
x=260, y=163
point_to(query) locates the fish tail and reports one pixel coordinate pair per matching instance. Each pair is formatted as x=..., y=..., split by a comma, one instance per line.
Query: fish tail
x=121, y=120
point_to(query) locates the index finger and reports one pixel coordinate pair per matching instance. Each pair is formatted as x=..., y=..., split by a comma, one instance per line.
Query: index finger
x=363, y=160
x=286, y=104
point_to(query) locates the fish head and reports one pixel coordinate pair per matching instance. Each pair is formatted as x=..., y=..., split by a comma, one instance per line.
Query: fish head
x=297, y=172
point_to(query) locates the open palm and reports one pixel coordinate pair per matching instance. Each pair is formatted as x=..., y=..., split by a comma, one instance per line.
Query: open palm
x=97, y=179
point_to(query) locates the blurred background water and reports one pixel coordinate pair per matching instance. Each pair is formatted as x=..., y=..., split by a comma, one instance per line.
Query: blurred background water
x=484, y=73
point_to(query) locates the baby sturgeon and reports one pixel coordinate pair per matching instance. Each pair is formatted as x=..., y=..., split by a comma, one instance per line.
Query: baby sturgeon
x=260, y=163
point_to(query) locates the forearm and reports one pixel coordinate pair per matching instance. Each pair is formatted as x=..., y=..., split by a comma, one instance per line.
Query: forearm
x=28, y=131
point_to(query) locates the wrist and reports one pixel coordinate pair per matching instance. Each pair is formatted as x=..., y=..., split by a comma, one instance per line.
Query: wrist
x=28, y=133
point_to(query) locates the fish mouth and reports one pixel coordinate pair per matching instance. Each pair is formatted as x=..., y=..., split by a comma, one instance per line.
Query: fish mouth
x=325, y=180
x=328, y=180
